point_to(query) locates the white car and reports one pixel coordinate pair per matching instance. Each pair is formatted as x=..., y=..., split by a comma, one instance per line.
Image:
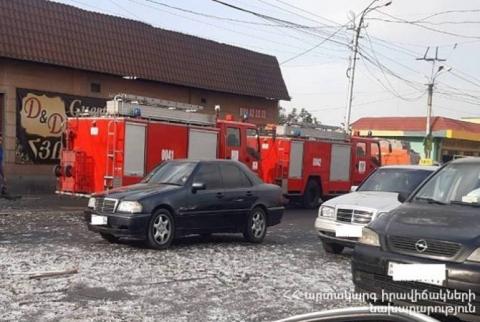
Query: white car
x=341, y=219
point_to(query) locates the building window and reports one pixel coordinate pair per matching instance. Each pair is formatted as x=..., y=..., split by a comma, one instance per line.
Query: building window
x=95, y=87
x=203, y=100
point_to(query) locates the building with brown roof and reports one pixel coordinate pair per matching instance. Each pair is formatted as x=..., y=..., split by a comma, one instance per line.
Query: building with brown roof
x=451, y=138
x=56, y=58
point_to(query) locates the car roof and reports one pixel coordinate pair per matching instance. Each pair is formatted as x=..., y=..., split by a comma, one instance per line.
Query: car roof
x=205, y=161
x=411, y=167
x=467, y=160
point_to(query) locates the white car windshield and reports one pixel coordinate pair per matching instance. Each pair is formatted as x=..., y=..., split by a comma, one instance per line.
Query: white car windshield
x=399, y=180
x=456, y=183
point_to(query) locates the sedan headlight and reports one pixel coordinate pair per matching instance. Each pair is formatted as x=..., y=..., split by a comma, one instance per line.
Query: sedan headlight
x=475, y=256
x=91, y=203
x=132, y=207
x=327, y=212
x=369, y=237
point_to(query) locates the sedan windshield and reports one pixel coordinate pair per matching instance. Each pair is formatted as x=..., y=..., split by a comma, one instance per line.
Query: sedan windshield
x=174, y=173
x=456, y=183
x=395, y=180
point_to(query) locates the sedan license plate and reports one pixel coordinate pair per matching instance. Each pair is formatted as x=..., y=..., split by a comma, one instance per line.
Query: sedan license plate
x=98, y=220
x=434, y=274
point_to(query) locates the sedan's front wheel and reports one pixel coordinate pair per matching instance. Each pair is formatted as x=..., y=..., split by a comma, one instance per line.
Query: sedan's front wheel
x=256, y=226
x=161, y=229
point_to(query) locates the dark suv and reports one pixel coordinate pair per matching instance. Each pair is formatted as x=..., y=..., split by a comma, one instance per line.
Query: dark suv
x=438, y=224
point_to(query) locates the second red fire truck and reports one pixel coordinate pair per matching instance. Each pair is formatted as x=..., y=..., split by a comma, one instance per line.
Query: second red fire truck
x=136, y=134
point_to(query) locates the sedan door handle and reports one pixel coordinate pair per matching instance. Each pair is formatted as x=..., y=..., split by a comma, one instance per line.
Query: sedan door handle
x=220, y=195
x=249, y=194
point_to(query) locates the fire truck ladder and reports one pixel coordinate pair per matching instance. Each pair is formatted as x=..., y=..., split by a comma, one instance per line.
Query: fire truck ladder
x=158, y=109
x=312, y=131
x=112, y=175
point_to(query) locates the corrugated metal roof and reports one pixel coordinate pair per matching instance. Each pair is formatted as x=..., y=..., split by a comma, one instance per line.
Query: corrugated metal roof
x=53, y=33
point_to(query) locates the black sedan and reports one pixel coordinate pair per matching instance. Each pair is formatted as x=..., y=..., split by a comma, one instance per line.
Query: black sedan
x=427, y=251
x=185, y=197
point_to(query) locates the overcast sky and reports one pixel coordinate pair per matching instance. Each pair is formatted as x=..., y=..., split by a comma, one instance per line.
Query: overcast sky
x=390, y=81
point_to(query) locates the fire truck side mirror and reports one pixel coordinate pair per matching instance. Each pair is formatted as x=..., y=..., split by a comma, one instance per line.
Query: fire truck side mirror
x=196, y=186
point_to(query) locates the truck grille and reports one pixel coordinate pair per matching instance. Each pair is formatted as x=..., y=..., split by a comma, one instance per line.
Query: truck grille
x=344, y=215
x=434, y=247
x=355, y=216
x=362, y=217
x=105, y=205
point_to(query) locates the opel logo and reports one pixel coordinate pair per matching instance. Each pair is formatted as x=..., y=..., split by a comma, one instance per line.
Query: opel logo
x=421, y=245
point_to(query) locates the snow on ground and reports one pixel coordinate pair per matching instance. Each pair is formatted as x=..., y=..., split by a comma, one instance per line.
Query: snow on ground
x=219, y=279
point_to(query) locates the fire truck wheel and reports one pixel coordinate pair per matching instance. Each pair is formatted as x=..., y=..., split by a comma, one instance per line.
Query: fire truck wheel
x=110, y=238
x=332, y=248
x=161, y=229
x=311, y=197
x=256, y=226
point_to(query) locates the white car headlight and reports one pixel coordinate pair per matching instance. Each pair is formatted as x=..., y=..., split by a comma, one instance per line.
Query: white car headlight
x=475, y=256
x=327, y=212
x=91, y=203
x=369, y=237
x=132, y=207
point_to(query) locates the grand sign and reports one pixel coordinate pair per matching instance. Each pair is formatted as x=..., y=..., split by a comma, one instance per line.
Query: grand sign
x=41, y=120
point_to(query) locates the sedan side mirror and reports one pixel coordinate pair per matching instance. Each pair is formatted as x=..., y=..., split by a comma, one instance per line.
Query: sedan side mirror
x=353, y=188
x=196, y=186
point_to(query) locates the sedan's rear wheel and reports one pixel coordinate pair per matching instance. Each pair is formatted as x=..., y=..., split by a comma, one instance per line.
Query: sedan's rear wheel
x=256, y=226
x=161, y=229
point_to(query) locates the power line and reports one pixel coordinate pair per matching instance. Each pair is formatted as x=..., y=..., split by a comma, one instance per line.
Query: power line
x=126, y=10
x=401, y=20
x=248, y=35
x=464, y=79
x=312, y=48
x=270, y=18
x=447, y=12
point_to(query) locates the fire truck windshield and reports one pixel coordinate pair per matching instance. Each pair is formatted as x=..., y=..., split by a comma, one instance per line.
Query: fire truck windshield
x=173, y=173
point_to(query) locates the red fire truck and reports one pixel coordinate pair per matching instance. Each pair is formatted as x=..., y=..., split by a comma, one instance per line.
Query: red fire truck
x=311, y=163
x=136, y=134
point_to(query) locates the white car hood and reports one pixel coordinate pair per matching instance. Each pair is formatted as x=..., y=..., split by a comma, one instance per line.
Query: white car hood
x=378, y=200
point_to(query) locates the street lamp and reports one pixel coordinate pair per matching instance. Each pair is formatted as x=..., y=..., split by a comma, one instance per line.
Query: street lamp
x=353, y=62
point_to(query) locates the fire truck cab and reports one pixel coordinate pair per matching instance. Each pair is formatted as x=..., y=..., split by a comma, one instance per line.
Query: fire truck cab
x=137, y=134
x=314, y=163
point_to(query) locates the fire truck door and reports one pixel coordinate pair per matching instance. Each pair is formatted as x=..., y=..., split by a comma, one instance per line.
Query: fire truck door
x=202, y=144
x=360, y=163
x=233, y=143
x=295, y=167
x=134, y=150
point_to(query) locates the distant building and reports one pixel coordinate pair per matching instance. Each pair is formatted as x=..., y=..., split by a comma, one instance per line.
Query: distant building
x=472, y=119
x=451, y=137
x=56, y=59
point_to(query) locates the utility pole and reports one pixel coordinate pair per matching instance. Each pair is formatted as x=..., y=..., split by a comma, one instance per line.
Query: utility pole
x=427, y=143
x=353, y=59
